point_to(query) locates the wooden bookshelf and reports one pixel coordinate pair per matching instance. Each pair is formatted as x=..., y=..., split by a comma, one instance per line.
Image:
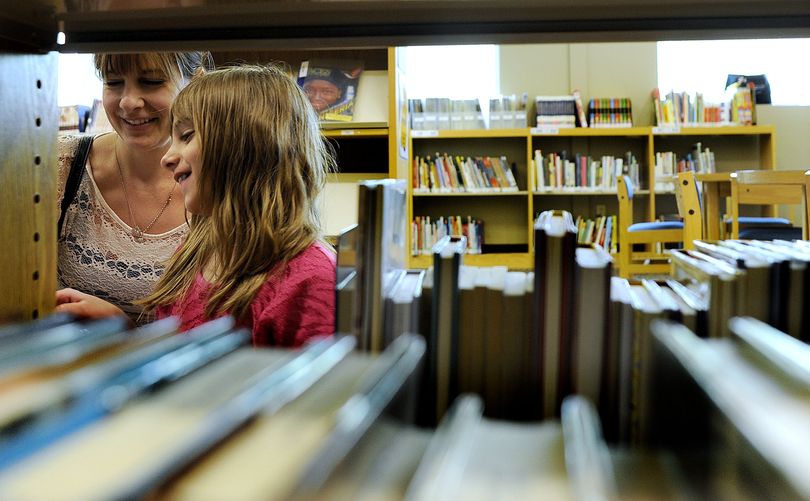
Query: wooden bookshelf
x=736, y=147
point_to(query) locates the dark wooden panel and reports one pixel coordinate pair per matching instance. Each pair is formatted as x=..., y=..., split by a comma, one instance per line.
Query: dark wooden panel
x=373, y=59
x=28, y=185
x=345, y=24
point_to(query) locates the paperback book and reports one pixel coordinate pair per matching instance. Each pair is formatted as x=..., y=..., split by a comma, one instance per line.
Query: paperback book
x=331, y=86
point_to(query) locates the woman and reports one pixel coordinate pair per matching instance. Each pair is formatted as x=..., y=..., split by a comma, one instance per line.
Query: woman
x=126, y=217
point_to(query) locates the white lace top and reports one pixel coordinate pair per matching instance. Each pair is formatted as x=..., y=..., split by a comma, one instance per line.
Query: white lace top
x=98, y=254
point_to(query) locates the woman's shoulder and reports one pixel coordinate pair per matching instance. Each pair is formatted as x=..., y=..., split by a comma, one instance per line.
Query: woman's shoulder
x=66, y=146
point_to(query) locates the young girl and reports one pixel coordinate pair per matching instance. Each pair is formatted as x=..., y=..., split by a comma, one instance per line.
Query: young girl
x=250, y=161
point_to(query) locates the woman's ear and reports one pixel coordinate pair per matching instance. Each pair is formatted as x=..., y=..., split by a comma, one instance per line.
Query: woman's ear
x=199, y=71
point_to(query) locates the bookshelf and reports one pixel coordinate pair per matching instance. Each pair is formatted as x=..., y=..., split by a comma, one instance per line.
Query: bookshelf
x=508, y=216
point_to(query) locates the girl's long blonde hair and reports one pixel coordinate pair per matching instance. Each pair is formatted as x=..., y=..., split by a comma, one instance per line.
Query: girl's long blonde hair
x=263, y=165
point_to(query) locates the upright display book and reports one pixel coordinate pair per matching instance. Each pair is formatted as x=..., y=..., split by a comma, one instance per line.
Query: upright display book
x=331, y=86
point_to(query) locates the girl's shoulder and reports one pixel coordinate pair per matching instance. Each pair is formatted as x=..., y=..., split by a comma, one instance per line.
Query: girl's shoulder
x=318, y=257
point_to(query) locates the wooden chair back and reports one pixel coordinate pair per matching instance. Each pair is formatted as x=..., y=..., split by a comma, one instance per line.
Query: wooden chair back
x=690, y=208
x=769, y=187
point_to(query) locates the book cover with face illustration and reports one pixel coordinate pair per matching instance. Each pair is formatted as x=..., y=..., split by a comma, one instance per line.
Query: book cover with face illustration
x=331, y=86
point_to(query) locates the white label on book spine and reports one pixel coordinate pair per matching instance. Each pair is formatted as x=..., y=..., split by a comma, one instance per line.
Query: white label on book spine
x=667, y=129
x=349, y=132
x=424, y=133
x=545, y=129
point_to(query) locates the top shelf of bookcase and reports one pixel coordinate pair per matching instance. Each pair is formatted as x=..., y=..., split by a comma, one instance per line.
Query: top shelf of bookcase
x=350, y=131
x=729, y=130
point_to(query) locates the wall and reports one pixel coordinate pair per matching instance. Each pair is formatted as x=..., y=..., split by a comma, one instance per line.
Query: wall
x=630, y=70
x=595, y=69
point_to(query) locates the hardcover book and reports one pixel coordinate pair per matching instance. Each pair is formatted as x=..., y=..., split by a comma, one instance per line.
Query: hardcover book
x=331, y=86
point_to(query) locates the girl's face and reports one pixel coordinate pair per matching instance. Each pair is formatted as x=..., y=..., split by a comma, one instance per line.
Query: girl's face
x=184, y=160
x=137, y=105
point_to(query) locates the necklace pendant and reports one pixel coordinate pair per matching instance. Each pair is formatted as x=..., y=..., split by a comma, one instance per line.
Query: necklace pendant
x=137, y=234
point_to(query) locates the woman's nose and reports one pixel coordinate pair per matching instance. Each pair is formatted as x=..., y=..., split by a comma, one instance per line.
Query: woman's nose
x=131, y=99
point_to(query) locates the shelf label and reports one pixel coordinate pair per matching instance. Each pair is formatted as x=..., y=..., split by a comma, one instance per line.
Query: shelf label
x=347, y=132
x=424, y=133
x=667, y=129
x=545, y=129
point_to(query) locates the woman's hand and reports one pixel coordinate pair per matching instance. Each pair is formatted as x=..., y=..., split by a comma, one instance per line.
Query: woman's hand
x=84, y=305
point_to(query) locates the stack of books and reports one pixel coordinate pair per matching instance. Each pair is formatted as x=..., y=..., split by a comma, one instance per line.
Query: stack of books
x=556, y=111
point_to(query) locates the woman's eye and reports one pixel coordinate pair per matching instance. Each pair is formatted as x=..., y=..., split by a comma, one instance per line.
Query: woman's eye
x=186, y=136
x=113, y=83
x=152, y=81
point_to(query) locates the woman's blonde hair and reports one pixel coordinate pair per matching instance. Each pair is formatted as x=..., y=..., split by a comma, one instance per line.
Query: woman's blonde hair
x=177, y=67
x=263, y=165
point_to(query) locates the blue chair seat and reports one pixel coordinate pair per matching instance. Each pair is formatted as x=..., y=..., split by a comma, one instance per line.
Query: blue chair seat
x=771, y=233
x=656, y=225
x=760, y=221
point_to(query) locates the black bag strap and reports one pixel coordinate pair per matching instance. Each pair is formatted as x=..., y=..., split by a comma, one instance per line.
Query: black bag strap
x=74, y=177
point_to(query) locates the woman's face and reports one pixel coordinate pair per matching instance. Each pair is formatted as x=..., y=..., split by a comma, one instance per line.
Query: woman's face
x=184, y=159
x=138, y=106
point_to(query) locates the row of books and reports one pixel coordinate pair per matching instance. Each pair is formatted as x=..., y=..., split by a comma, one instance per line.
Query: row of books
x=743, y=104
x=93, y=411
x=441, y=113
x=684, y=109
x=426, y=233
x=728, y=271
x=611, y=112
x=154, y=414
x=443, y=173
x=735, y=408
x=179, y=417
x=554, y=171
x=508, y=112
x=668, y=165
x=601, y=231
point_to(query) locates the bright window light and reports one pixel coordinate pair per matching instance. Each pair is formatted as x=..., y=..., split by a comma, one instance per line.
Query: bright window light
x=78, y=83
x=454, y=71
x=703, y=66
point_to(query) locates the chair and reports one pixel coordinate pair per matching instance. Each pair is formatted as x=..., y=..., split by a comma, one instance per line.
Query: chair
x=768, y=187
x=690, y=208
x=634, y=262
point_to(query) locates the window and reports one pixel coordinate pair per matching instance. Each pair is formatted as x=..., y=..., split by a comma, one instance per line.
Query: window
x=703, y=66
x=454, y=71
x=78, y=83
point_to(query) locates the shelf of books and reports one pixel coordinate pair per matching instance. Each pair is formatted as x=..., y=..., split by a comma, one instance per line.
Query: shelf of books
x=491, y=183
x=474, y=182
x=708, y=150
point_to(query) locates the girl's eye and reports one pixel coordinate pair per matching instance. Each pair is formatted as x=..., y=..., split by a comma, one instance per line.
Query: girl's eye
x=113, y=83
x=152, y=81
x=186, y=136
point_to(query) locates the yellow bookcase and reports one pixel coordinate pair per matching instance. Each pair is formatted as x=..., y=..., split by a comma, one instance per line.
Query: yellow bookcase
x=508, y=216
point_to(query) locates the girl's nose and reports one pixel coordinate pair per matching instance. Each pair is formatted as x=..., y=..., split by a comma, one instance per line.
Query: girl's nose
x=170, y=159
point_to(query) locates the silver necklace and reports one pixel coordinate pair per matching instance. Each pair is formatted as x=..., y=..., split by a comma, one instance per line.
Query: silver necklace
x=136, y=231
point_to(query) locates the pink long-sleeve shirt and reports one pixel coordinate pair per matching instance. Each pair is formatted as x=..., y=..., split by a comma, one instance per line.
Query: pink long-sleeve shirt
x=290, y=308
